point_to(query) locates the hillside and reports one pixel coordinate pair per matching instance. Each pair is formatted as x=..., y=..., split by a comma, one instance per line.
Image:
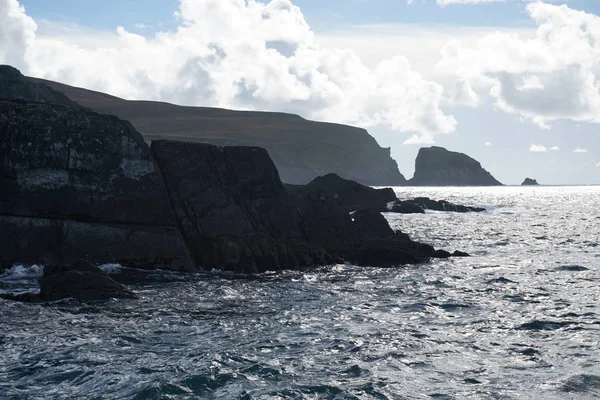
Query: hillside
x=301, y=149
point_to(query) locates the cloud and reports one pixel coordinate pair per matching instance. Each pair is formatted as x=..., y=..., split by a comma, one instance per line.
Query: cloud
x=580, y=150
x=537, y=148
x=488, y=143
x=242, y=54
x=598, y=165
x=554, y=148
x=549, y=77
x=17, y=33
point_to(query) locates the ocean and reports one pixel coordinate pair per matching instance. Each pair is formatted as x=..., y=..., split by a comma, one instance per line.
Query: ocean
x=520, y=319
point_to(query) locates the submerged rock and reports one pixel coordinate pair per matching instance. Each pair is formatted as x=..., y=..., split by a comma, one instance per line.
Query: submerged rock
x=420, y=204
x=80, y=281
x=530, y=182
x=436, y=166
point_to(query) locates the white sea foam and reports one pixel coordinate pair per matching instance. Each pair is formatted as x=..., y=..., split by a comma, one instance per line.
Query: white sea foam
x=111, y=268
x=19, y=272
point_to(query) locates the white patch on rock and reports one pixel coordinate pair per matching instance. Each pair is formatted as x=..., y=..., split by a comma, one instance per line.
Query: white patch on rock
x=133, y=164
x=46, y=178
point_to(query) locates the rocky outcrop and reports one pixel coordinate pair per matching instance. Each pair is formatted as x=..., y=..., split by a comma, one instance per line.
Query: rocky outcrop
x=76, y=184
x=235, y=214
x=80, y=281
x=530, y=182
x=81, y=185
x=16, y=87
x=302, y=150
x=436, y=166
x=232, y=208
x=347, y=194
x=418, y=205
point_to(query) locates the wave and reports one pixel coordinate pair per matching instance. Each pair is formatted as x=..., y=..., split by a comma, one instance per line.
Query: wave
x=21, y=272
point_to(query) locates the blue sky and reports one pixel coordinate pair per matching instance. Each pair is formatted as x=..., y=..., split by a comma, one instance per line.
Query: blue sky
x=321, y=15
x=484, y=96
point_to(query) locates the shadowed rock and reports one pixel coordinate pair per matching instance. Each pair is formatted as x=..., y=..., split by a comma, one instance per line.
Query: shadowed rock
x=436, y=166
x=76, y=184
x=80, y=281
x=232, y=208
x=347, y=194
x=420, y=204
x=81, y=185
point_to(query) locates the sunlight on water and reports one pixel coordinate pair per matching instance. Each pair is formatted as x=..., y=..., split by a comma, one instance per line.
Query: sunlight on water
x=517, y=320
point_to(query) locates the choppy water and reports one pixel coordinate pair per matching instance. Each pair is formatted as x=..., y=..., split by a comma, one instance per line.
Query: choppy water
x=518, y=320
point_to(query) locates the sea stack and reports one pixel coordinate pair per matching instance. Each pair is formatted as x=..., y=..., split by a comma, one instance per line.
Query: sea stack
x=530, y=182
x=436, y=166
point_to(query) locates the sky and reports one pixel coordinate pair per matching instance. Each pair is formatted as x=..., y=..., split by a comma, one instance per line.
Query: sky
x=513, y=83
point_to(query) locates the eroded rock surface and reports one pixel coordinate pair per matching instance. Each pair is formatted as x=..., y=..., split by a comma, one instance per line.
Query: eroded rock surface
x=77, y=184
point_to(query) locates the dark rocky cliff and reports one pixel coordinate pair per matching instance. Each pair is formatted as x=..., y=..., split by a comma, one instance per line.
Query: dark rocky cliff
x=436, y=166
x=347, y=194
x=302, y=150
x=81, y=185
x=76, y=184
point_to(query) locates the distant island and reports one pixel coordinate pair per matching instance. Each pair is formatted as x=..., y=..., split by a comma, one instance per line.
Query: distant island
x=530, y=182
x=436, y=166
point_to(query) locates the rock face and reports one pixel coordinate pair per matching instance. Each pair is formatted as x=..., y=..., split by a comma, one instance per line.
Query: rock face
x=347, y=194
x=76, y=184
x=235, y=214
x=302, y=150
x=80, y=281
x=81, y=185
x=436, y=166
x=530, y=182
x=16, y=87
x=418, y=205
x=232, y=208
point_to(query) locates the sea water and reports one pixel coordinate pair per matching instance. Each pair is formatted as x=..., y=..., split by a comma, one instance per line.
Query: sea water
x=520, y=319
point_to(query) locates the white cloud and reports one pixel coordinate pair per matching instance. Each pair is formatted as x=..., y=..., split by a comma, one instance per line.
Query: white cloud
x=488, y=143
x=17, y=33
x=241, y=54
x=554, y=148
x=542, y=79
x=598, y=165
x=580, y=150
x=537, y=148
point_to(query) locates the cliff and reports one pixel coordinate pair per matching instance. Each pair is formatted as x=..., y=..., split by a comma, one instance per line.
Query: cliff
x=301, y=149
x=77, y=185
x=436, y=166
